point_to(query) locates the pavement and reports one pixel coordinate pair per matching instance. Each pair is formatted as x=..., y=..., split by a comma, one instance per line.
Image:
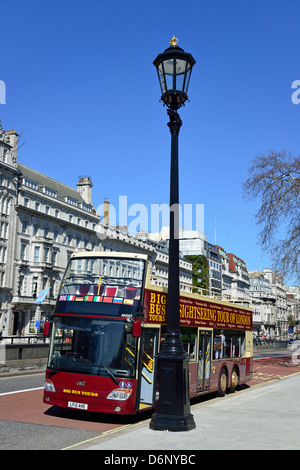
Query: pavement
x=265, y=416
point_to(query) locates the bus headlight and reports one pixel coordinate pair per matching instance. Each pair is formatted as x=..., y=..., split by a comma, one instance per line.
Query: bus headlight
x=120, y=394
x=49, y=386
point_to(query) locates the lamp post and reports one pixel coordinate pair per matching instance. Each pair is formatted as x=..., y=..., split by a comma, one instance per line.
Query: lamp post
x=172, y=409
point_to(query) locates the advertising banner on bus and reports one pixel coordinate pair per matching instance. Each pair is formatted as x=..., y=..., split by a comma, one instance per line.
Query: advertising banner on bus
x=197, y=312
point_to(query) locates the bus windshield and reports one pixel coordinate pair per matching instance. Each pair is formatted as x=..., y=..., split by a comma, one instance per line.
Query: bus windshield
x=102, y=284
x=93, y=346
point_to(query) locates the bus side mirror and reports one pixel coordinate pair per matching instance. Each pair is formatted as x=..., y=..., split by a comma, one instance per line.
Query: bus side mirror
x=136, y=328
x=46, y=331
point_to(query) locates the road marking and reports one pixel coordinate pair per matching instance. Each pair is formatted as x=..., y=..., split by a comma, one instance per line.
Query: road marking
x=105, y=433
x=21, y=391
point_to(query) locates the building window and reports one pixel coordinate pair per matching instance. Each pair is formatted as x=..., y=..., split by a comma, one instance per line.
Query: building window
x=54, y=256
x=34, y=287
x=4, y=254
x=46, y=252
x=24, y=227
x=50, y=192
x=23, y=251
x=32, y=322
x=47, y=210
x=71, y=201
x=30, y=184
x=26, y=202
x=36, y=254
x=20, y=286
x=86, y=207
x=45, y=280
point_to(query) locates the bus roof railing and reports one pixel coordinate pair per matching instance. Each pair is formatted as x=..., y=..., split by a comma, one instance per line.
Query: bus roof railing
x=109, y=254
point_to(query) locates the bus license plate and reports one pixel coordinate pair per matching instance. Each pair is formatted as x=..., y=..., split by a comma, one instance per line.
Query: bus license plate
x=81, y=406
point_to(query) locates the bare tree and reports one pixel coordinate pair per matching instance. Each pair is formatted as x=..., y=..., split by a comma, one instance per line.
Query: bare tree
x=274, y=178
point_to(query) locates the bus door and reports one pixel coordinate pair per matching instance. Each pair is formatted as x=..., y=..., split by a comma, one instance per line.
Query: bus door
x=149, y=346
x=204, y=363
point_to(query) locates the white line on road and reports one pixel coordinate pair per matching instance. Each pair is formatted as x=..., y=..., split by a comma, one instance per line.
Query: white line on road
x=20, y=391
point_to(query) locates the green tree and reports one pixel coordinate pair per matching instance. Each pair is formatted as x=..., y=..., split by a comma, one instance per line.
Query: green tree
x=200, y=269
x=291, y=321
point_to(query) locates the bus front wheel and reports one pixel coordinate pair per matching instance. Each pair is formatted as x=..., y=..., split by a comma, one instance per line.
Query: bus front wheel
x=222, y=383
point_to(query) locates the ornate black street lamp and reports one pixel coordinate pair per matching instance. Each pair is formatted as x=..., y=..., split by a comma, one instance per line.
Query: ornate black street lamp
x=172, y=411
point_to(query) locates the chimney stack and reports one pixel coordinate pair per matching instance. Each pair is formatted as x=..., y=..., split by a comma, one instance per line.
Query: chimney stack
x=106, y=212
x=84, y=187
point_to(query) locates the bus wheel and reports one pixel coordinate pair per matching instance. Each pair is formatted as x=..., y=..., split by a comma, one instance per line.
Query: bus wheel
x=234, y=380
x=222, y=383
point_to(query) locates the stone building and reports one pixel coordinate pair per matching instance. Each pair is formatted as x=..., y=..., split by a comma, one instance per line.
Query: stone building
x=8, y=199
x=42, y=222
x=263, y=304
x=270, y=309
x=235, y=278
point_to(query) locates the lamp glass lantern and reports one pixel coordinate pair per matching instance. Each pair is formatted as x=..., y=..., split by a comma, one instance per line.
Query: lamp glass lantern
x=174, y=68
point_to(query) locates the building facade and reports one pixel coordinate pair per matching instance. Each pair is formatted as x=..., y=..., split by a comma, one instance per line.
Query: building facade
x=228, y=277
x=8, y=199
x=42, y=222
x=235, y=278
x=263, y=304
x=293, y=306
x=215, y=269
x=270, y=306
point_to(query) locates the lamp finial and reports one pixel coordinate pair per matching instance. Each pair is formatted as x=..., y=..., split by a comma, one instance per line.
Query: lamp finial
x=174, y=41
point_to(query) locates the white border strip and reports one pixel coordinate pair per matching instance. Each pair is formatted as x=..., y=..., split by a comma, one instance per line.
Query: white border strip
x=21, y=391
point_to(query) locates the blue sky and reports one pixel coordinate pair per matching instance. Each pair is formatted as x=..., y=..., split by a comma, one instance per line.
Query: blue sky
x=82, y=88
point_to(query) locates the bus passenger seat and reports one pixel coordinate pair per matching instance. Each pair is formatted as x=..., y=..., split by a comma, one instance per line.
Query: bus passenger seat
x=130, y=292
x=111, y=291
x=84, y=289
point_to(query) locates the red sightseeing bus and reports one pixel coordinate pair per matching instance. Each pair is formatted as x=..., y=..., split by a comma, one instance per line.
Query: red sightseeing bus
x=107, y=328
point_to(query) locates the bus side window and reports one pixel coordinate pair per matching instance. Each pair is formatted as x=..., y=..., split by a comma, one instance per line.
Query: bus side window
x=234, y=345
x=189, y=340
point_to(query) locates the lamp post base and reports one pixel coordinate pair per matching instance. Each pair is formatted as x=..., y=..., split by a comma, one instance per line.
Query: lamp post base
x=162, y=422
x=172, y=411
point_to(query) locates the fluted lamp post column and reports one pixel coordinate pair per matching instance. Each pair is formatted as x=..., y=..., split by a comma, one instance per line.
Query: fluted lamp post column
x=172, y=409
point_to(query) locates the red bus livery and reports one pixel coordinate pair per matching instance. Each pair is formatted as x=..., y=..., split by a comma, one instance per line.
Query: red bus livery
x=197, y=312
x=109, y=324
